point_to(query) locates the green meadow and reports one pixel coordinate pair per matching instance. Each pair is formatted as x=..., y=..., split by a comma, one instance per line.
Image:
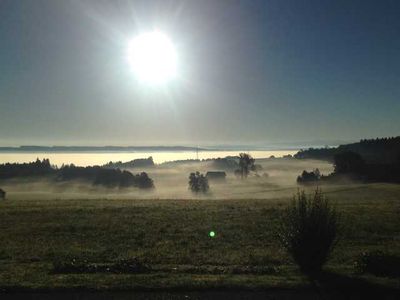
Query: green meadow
x=40, y=230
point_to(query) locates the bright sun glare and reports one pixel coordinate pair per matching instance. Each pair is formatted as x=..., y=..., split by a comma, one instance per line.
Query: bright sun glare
x=152, y=57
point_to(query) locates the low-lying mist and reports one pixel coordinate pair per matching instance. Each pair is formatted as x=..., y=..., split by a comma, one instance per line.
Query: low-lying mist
x=276, y=179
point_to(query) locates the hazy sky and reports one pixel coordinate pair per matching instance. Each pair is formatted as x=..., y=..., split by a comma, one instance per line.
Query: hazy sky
x=248, y=72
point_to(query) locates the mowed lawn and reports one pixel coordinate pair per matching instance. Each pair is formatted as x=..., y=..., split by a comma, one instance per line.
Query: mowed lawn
x=172, y=238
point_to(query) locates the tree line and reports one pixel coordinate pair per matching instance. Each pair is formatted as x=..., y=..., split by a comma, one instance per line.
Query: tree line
x=379, y=150
x=351, y=165
x=95, y=174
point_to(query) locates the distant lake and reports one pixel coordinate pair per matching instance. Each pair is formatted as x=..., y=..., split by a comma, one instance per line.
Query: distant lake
x=101, y=158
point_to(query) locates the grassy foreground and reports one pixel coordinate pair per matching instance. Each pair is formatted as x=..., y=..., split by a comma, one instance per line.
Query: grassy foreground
x=171, y=236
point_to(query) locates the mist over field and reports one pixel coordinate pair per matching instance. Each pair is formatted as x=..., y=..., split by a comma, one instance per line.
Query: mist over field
x=277, y=178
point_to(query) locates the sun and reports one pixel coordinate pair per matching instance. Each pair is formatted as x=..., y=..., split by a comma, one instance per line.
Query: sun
x=152, y=57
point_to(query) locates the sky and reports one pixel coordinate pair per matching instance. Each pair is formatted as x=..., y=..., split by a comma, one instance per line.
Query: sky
x=249, y=72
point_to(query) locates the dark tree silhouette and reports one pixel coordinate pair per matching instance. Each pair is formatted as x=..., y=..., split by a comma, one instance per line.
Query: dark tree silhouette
x=198, y=183
x=348, y=163
x=143, y=180
x=382, y=151
x=246, y=164
x=36, y=168
x=106, y=177
x=97, y=175
x=2, y=194
x=309, y=177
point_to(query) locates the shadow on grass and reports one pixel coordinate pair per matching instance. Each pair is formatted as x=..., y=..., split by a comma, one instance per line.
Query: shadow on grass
x=327, y=286
x=379, y=264
x=331, y=285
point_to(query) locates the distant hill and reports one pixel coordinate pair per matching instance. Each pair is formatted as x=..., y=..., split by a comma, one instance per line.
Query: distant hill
x=98, y=149
x=226, y=163
x=136, y=163
x=380, y=150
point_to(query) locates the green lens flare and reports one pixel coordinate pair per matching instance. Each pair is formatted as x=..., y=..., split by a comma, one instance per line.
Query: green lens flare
x=212, y=234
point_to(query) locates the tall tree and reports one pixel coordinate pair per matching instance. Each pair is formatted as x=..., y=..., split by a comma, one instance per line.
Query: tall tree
x=246, y=164
x=198, y=183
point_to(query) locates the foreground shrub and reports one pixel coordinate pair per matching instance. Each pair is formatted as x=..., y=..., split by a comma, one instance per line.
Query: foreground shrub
x=309, y=230
x=378, y=263
x=198, y=183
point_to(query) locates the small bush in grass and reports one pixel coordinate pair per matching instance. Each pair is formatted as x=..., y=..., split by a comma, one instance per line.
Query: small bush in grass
x=378, y=263
x=309, y=230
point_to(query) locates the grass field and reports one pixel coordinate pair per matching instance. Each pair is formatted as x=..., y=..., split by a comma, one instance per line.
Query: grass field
x=171, y=237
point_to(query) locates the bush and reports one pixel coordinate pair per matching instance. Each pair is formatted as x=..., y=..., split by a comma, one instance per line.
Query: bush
x=143, y=181
x=378, y=263
x=309, y=230
x=198, y=183
x=309, y=177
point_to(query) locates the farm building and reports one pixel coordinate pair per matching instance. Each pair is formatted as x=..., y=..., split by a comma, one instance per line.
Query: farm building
x=216, y=175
